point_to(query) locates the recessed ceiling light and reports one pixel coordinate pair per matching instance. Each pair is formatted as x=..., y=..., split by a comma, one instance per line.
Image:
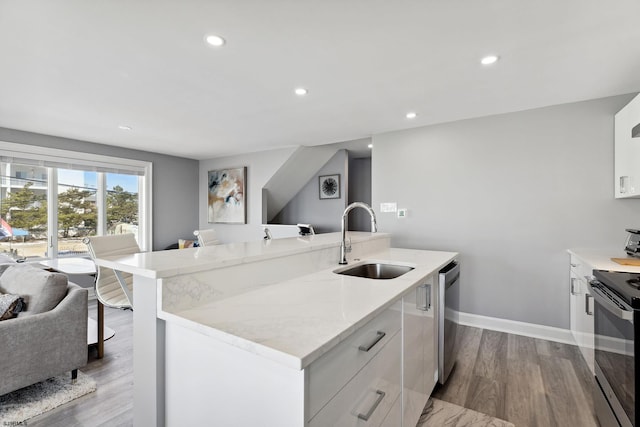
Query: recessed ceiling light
x=370, y=146
x=301, y=91
x=488, y=60
x=411, y=115
x=123, y=127
x=214, y=40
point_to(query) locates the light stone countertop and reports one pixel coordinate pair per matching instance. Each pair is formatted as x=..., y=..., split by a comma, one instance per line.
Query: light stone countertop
x=169, y=263
x=600, y=259
x=296, y=321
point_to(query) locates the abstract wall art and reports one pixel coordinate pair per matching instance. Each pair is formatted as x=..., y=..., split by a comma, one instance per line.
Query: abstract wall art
x=227, y=196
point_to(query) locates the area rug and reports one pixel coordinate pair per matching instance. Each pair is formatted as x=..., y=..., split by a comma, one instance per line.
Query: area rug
x=438, y=413
x=18, y=406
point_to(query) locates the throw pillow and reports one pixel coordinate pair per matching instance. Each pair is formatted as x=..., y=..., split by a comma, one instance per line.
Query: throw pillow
x=183, y=244
x=41, y=290
x=10, y=306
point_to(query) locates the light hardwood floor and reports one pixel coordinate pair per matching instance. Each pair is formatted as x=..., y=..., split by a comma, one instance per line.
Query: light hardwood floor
x=526, y=381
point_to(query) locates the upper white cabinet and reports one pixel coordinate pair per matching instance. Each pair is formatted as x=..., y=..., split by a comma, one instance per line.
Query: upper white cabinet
x=627, y=150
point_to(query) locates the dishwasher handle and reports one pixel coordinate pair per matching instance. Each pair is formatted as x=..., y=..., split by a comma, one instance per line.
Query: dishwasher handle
x=449, y=275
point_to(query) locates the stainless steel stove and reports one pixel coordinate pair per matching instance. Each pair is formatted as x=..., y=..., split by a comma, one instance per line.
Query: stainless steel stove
x=617, y=298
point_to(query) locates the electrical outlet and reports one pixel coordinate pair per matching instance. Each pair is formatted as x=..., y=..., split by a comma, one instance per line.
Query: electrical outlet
x=402, y=213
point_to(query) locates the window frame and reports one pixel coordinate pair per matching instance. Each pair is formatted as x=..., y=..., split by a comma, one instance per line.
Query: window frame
x=143, y=169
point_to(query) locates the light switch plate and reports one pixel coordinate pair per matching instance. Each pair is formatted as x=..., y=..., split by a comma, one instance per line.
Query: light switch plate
x=388, y=207
x=402, y=213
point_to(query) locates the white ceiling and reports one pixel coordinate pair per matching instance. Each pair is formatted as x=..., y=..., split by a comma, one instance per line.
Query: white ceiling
x=79, y=69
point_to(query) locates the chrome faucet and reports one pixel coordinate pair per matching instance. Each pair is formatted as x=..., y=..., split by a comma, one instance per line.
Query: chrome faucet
x=374, y=227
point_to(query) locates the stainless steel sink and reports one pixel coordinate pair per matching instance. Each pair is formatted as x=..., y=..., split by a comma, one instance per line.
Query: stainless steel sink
x=375, y=270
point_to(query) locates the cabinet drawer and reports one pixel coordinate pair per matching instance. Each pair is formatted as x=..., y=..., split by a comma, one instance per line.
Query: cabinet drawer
x=394, y=417
x=367, y=399
x=333, y=370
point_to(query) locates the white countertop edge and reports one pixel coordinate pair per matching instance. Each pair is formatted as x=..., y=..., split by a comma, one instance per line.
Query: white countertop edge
x=302, y=361
x=239, y=342
x=273, y=354
x=140, y=264
x=600, y=259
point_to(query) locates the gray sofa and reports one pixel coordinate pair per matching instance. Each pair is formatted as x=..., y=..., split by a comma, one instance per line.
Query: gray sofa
x=49, y=337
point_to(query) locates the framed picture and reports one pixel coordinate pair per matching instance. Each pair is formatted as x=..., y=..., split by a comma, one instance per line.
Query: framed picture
x=227, y=196
x=330, y=186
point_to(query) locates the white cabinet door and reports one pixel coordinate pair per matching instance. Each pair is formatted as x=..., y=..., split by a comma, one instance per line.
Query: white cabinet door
x=627, y=151
x=585, y=323
x=414, y=393
x=581, y=309
x=420, y=351
x=431, y=336
x=574, y=298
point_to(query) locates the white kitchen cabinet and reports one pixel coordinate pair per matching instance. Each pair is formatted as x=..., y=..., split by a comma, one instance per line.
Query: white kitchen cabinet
x=581, y=308
x=420, y=348
x=356, y=383
x=348, y=366
x=367, y=398
x=627, y=151
x=381, y=375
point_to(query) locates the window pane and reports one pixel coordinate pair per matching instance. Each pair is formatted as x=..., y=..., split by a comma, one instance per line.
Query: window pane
x=23, y=209
x=77, y=214
x=122, y=204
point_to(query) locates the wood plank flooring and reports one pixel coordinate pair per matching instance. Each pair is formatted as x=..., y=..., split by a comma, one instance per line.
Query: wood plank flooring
x=112, y=403
x=526, y=381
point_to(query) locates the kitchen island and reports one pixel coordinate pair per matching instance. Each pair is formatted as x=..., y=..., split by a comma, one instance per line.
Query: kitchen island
x=263, y=333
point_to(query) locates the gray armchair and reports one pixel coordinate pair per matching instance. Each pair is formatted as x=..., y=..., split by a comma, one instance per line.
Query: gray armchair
x=36, y=346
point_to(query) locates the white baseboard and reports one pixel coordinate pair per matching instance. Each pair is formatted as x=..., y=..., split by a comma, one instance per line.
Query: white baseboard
x=518, y=328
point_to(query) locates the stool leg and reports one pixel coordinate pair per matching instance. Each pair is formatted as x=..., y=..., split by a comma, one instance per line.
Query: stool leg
x=100, y=330
x=74, y=376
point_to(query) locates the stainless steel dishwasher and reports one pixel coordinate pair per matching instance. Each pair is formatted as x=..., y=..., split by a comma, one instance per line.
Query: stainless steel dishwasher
x=448, y=318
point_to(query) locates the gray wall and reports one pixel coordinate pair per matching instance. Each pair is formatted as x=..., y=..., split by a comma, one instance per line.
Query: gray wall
x=359, y=191
x=306, y=206
x=511, y=193
x=260, y=168
x=175, y=182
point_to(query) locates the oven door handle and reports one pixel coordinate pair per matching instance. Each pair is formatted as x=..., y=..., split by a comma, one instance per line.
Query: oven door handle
x=605, y=301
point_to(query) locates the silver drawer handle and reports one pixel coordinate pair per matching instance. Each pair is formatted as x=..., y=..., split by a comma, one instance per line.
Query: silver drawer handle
x=572, y=287
x=376, y=340
x=423, y=294
x=365, y=417
x=587, y=310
